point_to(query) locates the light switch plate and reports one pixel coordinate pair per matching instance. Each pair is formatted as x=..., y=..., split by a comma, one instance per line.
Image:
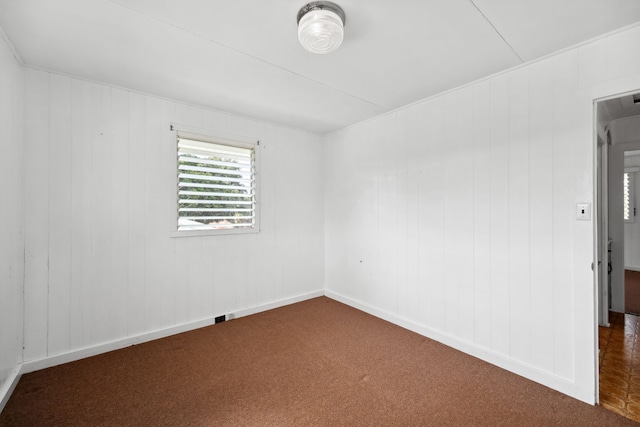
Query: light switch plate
x=583, y=211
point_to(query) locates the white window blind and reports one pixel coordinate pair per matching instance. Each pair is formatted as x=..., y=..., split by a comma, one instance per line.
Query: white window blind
x=628, y=197
x=216, y=185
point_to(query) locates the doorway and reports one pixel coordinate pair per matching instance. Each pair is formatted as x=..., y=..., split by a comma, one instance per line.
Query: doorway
x=618, y=136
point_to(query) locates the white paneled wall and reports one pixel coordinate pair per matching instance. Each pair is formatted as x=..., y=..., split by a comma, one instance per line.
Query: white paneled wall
x=455, y=216
x=100, y=178
x=11, y=214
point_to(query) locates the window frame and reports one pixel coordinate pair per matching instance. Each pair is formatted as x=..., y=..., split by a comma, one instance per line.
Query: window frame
x=181, y=131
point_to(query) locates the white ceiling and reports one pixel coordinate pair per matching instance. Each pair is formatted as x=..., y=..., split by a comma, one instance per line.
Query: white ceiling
x=623, y=106
x=243, y=56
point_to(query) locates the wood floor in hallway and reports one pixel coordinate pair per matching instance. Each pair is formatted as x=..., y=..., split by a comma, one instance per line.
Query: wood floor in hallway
x=620, y=365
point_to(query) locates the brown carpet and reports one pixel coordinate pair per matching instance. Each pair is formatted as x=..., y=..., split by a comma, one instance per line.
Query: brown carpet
x=632, y=291
x=318, y=362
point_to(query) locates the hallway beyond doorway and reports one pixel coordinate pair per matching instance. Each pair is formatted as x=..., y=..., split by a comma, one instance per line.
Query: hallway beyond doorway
x=632, y=292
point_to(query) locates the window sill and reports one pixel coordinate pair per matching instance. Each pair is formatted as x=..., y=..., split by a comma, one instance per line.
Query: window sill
x=202, y=233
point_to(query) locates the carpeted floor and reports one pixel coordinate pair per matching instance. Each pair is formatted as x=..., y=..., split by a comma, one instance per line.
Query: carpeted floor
x=318, y=362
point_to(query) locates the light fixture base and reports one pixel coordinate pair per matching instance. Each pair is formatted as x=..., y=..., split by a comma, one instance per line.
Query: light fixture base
x=321, y=5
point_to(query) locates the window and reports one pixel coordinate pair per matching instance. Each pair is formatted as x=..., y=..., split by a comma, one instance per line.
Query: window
x=627, y=195
x=216, y=185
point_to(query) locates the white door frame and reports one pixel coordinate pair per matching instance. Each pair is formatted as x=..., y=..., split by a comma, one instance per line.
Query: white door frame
x=601, y=224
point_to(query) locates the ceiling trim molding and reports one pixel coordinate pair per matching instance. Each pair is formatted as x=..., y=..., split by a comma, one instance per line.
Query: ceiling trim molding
x=11, y=47
x=177, y=101
x=499, y=73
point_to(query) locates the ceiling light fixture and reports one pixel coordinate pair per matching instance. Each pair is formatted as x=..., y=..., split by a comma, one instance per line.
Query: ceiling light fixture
x=321, y=26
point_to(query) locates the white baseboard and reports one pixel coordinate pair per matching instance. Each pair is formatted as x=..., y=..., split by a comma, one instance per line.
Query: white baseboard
x=58, y=359
x=276, y=304
x=9, y=385
x=632, y=268
x=545, y=378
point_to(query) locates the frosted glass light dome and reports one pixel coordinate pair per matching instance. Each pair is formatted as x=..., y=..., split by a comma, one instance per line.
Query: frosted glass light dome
x=321, y=27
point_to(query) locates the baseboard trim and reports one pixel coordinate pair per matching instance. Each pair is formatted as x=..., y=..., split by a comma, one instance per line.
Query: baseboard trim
x=545, y=378
x=632, y=268
x=9, y=386
x=58, y=359
x=276, y=304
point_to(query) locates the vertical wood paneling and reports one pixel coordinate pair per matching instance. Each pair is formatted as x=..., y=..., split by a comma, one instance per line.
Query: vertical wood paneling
x=60, y=224
x=368, y=278
x=236, y=272
x=452, y=182
x=465, y=214
x=403, y=212
x=482, y=214
x=541, y=214
x=36, y=215
x=432, y=216
x=166, y=145
x=81, y=193
x=228, y=275
x=412, y=295
x=156, y=312
x=333, y=242
x=101, y=207
x=136, y=273
x=500, y=254
x=181, y=292
x=362, y=256
x=208, y=284
x=502, y=262
x=519, y=288
x=592, y=67
x=165, y=176
x=79, y=240
x=353, y=248
x=620, y=60
x=458, y=182
x=12, y=255
x=101, y=233
x=282, y=228
x=118, y=212
x=387, y=158
x=193, y=286
x=308, y=168
x=564, y=67
x=287, y=233
x=348, y=223
x=219, y=292
x=268, y=219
